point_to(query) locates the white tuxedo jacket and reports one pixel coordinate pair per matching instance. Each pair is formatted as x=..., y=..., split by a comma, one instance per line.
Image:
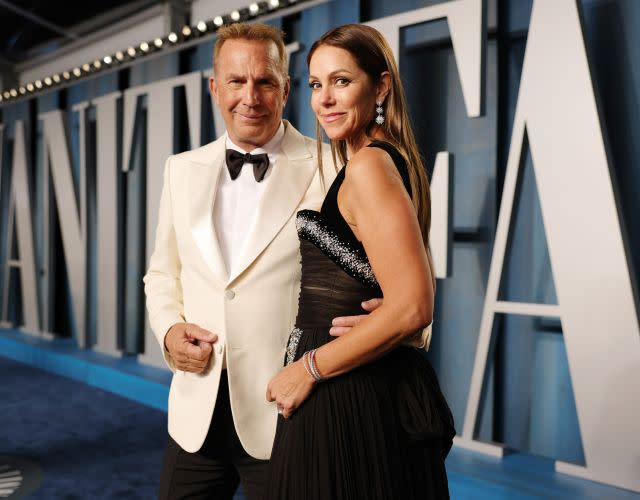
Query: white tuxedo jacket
x=252, y=310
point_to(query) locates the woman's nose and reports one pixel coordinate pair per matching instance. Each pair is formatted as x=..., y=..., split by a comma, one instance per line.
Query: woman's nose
x=326, y=97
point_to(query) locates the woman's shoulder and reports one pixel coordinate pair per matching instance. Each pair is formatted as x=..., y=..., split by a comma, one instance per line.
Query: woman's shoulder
x=369, y=161
x=391, y=149
x=373, y=165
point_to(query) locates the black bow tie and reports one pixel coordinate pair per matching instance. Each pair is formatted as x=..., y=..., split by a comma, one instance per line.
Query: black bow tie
x=235, y=160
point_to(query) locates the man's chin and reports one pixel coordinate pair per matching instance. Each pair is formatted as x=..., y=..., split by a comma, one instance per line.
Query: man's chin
x=251, y=129
x=256, y=135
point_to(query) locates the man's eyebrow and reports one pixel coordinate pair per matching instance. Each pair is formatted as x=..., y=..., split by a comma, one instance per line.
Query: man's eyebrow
x=267, y=76
x=260, y=78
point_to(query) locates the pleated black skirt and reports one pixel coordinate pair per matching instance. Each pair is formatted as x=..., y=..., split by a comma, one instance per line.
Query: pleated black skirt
x=381, y=431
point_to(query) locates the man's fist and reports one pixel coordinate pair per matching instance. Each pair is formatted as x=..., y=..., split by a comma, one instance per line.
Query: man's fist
x=189, y=346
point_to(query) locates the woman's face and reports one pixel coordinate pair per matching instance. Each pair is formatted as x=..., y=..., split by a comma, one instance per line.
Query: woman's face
x=343, y=96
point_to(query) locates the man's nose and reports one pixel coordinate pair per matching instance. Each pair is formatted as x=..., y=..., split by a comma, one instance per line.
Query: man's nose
x=251, y=95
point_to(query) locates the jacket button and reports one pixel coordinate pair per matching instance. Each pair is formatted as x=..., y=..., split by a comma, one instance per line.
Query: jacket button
x=230, y=294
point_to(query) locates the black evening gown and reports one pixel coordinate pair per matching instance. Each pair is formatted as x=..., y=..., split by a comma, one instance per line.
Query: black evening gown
x=381, y=431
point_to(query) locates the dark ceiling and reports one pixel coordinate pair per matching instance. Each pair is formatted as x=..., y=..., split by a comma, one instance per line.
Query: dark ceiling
x=32, y=27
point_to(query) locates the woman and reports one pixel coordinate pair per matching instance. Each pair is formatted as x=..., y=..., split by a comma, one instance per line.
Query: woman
x=362, y=415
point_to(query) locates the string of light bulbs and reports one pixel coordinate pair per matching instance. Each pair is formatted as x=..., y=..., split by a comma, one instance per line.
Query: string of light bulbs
x=188, y=33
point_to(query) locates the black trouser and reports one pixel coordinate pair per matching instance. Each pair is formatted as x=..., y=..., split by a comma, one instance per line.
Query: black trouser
x=213, y=472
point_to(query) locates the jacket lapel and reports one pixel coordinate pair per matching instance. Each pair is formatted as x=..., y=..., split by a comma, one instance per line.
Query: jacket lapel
x=288, y=184
x=202, y=186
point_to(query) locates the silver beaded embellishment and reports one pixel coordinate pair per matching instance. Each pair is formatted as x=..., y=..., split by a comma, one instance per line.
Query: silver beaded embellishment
x=292, y=346
x=310, y=227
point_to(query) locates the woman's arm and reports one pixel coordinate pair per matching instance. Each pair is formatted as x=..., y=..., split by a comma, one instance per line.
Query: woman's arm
x=375, y=203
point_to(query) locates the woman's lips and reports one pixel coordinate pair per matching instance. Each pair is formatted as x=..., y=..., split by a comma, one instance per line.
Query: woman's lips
x=331, y=117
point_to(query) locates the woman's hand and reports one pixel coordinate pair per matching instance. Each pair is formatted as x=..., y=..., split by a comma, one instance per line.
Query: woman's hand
x=290, y=388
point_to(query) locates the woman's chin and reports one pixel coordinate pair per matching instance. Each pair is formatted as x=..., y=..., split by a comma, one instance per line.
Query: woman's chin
x=332, y=134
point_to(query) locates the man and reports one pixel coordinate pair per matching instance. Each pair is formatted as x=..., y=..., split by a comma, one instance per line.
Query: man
x=223, y=281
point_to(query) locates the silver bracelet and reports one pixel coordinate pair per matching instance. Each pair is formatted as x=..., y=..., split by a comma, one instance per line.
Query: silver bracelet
x=309, y=359
x=305, y=363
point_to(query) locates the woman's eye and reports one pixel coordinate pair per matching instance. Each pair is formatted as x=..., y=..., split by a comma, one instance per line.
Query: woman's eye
x=314, y=85
x=342, y=82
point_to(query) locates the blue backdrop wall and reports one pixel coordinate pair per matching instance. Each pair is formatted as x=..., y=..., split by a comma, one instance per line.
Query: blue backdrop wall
x=529, y=404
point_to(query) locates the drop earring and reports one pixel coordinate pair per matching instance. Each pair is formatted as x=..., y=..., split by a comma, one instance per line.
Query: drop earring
x=379, y=110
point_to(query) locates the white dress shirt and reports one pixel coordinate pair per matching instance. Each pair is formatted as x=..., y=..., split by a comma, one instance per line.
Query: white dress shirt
x=236, y=202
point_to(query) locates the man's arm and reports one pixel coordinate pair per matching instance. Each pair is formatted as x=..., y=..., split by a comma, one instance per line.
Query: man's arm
x=185, y=346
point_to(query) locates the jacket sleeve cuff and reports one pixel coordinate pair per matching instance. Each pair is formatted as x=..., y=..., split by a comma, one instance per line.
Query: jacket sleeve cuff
x=160, y=326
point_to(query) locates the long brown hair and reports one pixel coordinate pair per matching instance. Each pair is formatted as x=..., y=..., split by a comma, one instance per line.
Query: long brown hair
x=373, y=55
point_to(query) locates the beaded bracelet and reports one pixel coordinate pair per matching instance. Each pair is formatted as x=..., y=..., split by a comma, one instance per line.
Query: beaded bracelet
x=309, y=362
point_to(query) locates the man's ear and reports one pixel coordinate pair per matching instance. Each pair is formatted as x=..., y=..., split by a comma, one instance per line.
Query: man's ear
x=287, y=89
x=213, y=88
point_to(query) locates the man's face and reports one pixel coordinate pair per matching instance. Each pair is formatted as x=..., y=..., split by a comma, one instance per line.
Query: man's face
x=250, y=90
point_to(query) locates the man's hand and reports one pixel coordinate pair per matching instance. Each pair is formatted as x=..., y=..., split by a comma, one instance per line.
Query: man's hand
x=343, y=324
x=189, y=346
